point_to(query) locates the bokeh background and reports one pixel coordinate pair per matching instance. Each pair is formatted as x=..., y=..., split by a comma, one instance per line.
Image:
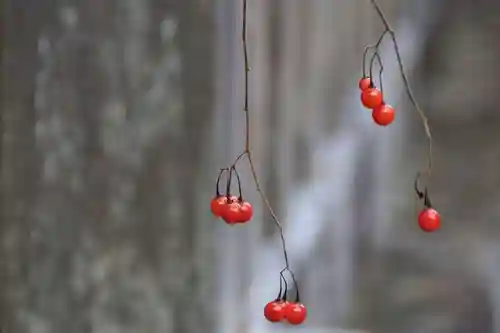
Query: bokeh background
x=117, y=115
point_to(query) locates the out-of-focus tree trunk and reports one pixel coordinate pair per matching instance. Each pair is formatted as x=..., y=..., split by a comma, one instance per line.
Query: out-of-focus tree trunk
x=4, y=305
x=20, y=165
x=94, y=72
x=195, y=40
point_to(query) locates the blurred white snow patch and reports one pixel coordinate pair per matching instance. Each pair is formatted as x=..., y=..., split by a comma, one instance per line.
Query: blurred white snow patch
x=333, y=158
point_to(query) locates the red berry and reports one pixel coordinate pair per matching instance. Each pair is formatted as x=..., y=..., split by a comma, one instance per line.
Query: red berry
x=246, y=212
x=218, y=205
x=364, y=83
x=274, y=311
x=295, y=313
x=231, y=213
x=429, y=220
x=383, y=115
x=285, y=304
x=371, y=98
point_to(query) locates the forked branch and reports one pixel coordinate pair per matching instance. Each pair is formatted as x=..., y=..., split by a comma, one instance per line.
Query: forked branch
x=247, y=150
x=247, y=147
x=408, y=89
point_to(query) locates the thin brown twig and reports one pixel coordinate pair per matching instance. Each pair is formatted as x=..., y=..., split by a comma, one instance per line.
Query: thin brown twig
x=247, y=150
x=409, y=91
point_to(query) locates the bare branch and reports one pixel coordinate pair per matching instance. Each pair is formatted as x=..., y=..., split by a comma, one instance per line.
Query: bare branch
x=409, y=91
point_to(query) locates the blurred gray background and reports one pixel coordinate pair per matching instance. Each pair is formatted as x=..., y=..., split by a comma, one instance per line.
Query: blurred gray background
x=117, y=115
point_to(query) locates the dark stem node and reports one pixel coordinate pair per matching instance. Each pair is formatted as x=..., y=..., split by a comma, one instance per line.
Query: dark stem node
x=297, y=295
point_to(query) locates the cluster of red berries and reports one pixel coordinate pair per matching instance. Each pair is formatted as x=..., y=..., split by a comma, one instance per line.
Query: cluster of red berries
x=281, y=310
x=371, y=98
x=383, y=115
x=232, y=209
x=428, y=219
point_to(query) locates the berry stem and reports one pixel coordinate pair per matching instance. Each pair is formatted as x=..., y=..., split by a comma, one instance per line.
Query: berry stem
x=284, y=284
x=375, y=48
x=239, y=157
x=420, y=194
x=233, y=168
x=409, y=91
x=217, y=192
x=285, y=288
x=364, y=59
x=228, y=185
x=297, y=295
x=376, y=55
x=427, y=200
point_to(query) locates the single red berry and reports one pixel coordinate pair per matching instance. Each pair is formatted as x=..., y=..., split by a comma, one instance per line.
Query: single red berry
x=274, y=311
x=429, y=220
x=218, y=205
x=371, y=98
x=383, y=115
x=246, y=212
x=364, y=83
x=231, y=213
x=295, y=313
